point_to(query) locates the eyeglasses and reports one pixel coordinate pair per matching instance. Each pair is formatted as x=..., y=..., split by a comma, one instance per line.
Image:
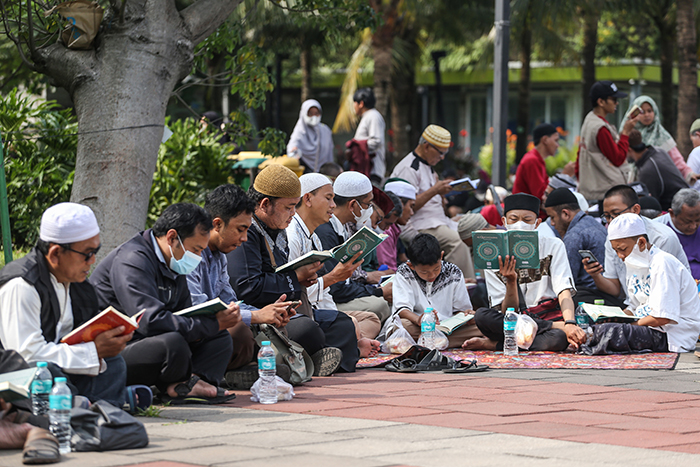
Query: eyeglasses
x=442, y=154
x=380, y=218
x=88, y=256
x=607, y=217
x=362, y=204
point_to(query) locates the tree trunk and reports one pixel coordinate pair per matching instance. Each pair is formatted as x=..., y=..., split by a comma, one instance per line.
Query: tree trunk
x=120, y=91
x=667, y=46
x=523, y=120
x=687, y=74
x=306, y=67
x=590, y=40
x=382, y=48
x=403, y=97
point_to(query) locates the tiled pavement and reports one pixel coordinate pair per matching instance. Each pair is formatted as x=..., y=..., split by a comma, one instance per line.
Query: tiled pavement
x=376, y=418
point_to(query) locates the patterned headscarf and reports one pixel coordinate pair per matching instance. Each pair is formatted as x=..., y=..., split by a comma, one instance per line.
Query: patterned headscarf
x=654, y=134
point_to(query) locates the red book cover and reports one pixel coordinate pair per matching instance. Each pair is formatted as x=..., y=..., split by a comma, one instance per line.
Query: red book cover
x=108, y=319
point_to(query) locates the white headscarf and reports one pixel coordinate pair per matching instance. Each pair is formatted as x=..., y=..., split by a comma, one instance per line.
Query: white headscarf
x=314, y=144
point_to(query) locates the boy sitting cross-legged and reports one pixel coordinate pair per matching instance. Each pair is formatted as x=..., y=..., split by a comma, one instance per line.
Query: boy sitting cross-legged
x=428, y=281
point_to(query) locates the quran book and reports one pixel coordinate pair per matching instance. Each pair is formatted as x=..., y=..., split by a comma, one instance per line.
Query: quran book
x=600, y=313
x=464, y=184
x=450, y=324
x=490, y=244
x=16, y=385
x=308, y=258
x=108, y=319
x=385, y=280
x=209, y=308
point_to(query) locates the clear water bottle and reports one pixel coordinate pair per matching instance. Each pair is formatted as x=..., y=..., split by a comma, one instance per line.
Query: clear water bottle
x=427, y=329
x=60, y=404
x=267, y=370
x=41, y=387
x=582, y=317
x=510, y=319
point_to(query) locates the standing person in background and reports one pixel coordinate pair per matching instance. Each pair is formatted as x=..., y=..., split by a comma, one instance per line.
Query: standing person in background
x=311, y=141
x=371, y=129
x=603, y=153
x=531, y=176
x=654, y=134
x=694, y=157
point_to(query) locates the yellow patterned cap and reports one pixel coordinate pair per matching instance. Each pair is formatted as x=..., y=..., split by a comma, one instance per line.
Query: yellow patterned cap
x=437, y=136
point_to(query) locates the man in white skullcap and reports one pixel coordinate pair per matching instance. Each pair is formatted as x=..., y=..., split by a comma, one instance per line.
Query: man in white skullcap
x=316, y=208
x=45, y=295
x=429, y=216
x=390, y=250
x=662, y=294
x=353, y=199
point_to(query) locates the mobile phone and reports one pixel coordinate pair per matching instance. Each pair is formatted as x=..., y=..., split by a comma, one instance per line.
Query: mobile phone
x=588, y=254
x=636, y=110
x=293, y=305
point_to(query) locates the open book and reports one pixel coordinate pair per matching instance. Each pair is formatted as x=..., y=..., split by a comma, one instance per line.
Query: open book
x=16, y=385
x=211, y=307
x=108, y=319
x=464, y=184
x=600, y=313
x=450, y=324
x=490, y=244
x=365, y=240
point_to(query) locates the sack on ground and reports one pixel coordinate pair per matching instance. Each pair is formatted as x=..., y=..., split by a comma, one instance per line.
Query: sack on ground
x=104, y=427
x=285, y=392
x=525, y=331
x=396, y=339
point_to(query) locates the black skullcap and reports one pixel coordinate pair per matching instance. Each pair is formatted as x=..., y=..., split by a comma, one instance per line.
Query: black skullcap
x=522, y=201
x=545, y=129
x=649, y=202
x=560, y=196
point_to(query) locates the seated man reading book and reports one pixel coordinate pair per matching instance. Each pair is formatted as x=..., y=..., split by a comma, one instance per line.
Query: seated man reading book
x=662, y=294
x=182, y=356
x=231, y=211
x=315, y=208
x=549, y=287
x=426, y=281
x=328, y=336
x=45, y=295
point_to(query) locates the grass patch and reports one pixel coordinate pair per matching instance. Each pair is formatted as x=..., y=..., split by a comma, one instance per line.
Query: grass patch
x=16, y=254
x=152, y=411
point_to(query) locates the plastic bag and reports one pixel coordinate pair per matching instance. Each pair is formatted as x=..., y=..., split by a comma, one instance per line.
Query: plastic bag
x=399, y=340
x=441, y=340
x=525, y=331
x=285, y=392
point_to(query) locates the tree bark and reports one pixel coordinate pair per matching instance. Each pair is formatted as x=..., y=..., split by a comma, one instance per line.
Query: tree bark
x=590, y=40
x=382, y=48
x=687, y=74
x=403, y=97
x=667, y=41
x=523, y=119
x=306, y=67
x=120, y=91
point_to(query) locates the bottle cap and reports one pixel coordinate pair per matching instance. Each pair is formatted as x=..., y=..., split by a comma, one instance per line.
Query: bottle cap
x=265, y=343
x=580, y=303
x=41, y=364
x=59, y=380
x=510, y=309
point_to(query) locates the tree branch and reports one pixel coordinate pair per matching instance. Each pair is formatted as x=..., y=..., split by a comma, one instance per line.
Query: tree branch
x=67, y=67
x=203, y=17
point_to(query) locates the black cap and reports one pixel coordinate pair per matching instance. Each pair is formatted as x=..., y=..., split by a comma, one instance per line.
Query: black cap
x=544, y=129
x=649, y=202
x=521, y=201
x=640, y=188
x=605, y=89
x=560, y=196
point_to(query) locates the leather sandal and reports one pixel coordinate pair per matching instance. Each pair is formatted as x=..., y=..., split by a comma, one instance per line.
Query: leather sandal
x=470, y=366
x=183, y=389
x=41, y=447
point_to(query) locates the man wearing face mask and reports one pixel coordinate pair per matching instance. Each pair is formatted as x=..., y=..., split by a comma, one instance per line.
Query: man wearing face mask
x=548, y=288
x=311, y=141
x=662, y=295
x=184, y=357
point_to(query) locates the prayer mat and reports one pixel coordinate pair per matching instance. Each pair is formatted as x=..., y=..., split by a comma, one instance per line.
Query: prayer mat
x=549, y=360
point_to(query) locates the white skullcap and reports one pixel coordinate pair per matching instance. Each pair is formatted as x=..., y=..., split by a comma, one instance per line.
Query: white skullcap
x=500, y=191
x=626, y=226
x=351, y=184
x=582, y=203
x=401, y=189
x=68, y=223
x=312, y=181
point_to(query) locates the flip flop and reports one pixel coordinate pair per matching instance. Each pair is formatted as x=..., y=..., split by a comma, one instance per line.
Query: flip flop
x=406, y=365
x=460, y=367
x=138, y=397
x=41, y=447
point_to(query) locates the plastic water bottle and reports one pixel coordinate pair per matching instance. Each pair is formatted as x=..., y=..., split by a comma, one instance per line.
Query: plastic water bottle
x=41, y=387
x=581, y=317
x=267, y=370
x=427, y=329
x=510, y=319
x=60, y=404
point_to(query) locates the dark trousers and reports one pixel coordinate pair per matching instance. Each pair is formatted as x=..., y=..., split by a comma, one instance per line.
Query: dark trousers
x=168, y=358
x=330, y=329
x=243, y=346
x=624, y=338
x=13, y=361
x=110, y=385
x=590, y=295
x=490, y=323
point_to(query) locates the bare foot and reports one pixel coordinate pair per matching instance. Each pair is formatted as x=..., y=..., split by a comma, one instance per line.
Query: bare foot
x=13, y=436
x=479, y=343
x=366, y=349
x=200, y=389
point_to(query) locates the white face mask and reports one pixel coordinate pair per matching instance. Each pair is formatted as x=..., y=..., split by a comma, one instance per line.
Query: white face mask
x=638, y=259
x=364, y=218
x=520, y=225
x=312, y=121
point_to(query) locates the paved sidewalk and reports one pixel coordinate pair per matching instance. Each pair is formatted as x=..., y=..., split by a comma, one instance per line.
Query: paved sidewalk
x=377, y=418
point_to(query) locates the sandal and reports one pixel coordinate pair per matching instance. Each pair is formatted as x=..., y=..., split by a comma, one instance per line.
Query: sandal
x=434, y=361
x=407, y=365
x=183, y=389
x=41, y=447
x=138, y=397
x=470, y=367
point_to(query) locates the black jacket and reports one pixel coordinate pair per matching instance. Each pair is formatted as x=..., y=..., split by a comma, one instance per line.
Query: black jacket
x=661, y=176
x=132, y=278
x=34, y=269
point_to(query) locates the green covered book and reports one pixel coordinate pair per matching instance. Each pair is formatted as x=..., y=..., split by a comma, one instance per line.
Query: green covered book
x=601, y=313
x=211, y=307
x=365, y=240
x=490, y=244
x=16, y=385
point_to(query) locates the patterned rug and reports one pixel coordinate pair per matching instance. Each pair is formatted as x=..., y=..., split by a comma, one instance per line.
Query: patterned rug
x=550, y=360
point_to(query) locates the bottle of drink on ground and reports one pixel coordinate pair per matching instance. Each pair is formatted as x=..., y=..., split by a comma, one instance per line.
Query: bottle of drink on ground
x=41, y=387
x=510, y=319
x=60, y=404
x=427, y=329
x=267, y=370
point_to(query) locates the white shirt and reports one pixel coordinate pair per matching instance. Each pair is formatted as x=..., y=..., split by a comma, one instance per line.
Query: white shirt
x=300, y=242
x=447, y=294
x=660, y=236
x=20, y=328
x=667, y=290
x=694, y=164
x=547, y=282
x=371, y=129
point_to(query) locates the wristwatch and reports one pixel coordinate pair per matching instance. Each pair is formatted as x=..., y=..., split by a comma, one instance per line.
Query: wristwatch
x=570, y=321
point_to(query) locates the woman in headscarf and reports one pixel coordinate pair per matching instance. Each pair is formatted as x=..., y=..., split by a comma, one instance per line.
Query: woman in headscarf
x=654, y=134
x=311, y=141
